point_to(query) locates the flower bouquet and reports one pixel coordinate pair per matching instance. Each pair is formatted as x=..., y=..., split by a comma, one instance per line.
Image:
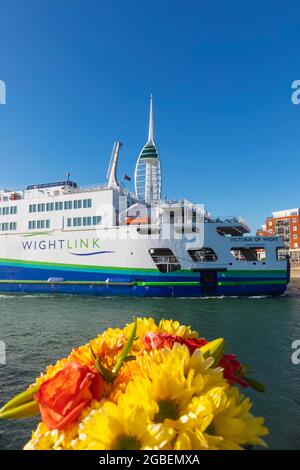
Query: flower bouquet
x=146, y=386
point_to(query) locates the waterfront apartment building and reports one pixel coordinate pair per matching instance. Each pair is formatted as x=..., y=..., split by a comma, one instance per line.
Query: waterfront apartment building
x=285, y=224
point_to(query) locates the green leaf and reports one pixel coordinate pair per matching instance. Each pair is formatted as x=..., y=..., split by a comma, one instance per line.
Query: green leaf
x=259, y=387
x=126, y=349
x=21, y=398
x=106, y=373
x=23, y=411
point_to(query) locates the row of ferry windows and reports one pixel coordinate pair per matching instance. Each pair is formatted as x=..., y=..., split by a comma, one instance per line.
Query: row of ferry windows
x=59, y=206
x=5, y=227
x=8, y=210
x=33, y=224
x=84, y=221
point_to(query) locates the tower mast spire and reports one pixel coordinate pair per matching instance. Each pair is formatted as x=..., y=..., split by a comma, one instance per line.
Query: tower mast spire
x=151, y=133
x=147, y=176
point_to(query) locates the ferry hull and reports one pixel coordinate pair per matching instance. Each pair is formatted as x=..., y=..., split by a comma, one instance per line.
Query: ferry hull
x=21, y=279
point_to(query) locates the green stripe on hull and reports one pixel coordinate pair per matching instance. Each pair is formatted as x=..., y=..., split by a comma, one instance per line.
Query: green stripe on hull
x=249, y=283
x=102, y=283
x=163, y=283
x=128, y=270
x=249, y=273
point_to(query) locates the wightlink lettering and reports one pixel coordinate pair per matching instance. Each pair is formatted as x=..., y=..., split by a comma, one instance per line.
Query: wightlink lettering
x=49, y=245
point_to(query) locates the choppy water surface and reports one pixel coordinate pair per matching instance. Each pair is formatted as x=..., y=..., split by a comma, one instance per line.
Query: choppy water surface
x=38, y=330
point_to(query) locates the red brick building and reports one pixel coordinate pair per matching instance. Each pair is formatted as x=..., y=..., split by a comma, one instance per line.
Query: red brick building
x=285, y=224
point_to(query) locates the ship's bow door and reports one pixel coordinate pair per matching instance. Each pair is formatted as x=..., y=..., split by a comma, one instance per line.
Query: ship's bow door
x=209, y=283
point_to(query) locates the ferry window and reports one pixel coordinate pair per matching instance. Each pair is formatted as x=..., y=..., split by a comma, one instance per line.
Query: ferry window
x=50, y=206
x=204, y=255
x=5, y=211
x=86, y=221
x=87, y=203
x=77, y=222
x=256, y=253
x=68, y=205
x=69, y=222
x=41, y=207
x=77, y=204
x=47, y=223
x=281, y=254
x=12, y=226
x=32, y=208
x=97, y=220
x=31, y=224
x=5, y=227
x=13, y=209
x=164, y=259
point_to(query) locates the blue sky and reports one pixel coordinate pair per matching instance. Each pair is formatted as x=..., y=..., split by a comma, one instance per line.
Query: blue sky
x=79, y=75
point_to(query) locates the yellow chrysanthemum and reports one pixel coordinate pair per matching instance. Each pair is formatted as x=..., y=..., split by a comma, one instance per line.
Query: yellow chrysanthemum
x=44, y=439
x=198, y=369
x=115, y=427
x=168, y=391
x=233, y=421
x=173, y=327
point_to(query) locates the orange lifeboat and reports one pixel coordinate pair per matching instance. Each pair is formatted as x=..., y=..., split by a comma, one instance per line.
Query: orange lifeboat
x=137, y=220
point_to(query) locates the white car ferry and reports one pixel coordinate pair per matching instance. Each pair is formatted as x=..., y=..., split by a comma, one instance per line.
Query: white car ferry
x=105, y=240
